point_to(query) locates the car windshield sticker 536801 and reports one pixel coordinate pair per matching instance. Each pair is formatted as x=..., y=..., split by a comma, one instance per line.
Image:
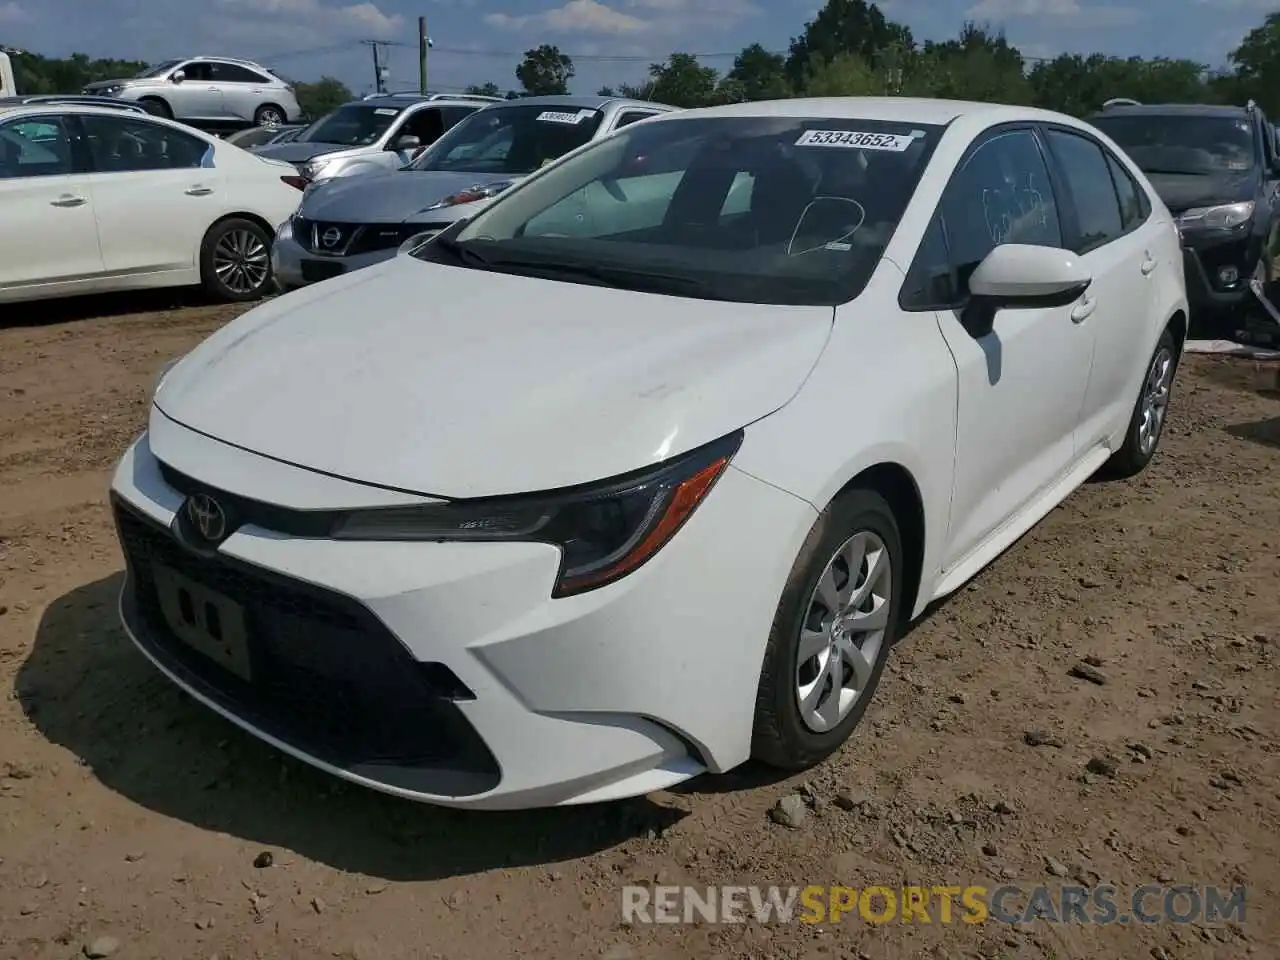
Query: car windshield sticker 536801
x=855, y=140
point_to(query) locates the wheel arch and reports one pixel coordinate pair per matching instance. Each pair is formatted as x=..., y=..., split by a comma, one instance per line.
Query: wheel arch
x=1177, y=325
x=898, y=486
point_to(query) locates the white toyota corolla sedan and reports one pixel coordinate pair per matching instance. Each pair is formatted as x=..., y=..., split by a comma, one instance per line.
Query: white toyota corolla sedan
x=640, y=472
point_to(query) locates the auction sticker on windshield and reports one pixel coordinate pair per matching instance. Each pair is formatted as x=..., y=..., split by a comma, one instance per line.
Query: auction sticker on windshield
x=855, y=140
x=386, y=111
x=551, y=116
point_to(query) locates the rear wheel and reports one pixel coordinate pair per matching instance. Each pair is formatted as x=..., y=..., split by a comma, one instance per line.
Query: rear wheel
x=1146, y=425
x=268, y=115
x=835, y=623
x=156, y=107
x=235, y=261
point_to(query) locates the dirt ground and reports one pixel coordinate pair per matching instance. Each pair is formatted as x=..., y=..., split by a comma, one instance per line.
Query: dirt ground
x=129, y=812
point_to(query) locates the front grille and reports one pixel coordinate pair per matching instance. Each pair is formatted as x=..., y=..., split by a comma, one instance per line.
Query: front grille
x=328, y=677
x=350, y=239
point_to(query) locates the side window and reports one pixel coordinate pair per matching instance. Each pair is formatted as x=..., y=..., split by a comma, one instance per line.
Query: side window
x=426, y=124
x=1001, y=194
x=232, y=73
x=34, y=147
x=737, y=201
x=1092, y=191
x=197, y=70
x=455, y=115
x=630, y=117
x=127, y=145
x=1128, y=190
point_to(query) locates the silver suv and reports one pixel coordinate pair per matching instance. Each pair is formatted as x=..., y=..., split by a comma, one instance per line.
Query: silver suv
x=370, y=136
x=208, y=90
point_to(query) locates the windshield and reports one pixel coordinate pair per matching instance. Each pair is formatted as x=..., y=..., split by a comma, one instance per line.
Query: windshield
x=355, y=125
x=757, y=209
x=253, y=136
x=515, y=140
x=1192, y=145
x=157, y=70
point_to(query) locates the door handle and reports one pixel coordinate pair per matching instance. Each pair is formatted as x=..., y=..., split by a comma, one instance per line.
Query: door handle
x=199, y=190
x=69, y=200
x=1084, y=309
x=1148, y=265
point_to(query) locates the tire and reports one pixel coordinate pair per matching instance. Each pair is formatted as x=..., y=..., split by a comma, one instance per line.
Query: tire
x=1140, y=444
x=235, y=261
x=156, y=107
x=268, y=115
x=782, y=737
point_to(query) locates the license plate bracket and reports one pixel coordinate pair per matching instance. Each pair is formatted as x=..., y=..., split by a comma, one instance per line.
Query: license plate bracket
x=208, y=622
x=315, y=270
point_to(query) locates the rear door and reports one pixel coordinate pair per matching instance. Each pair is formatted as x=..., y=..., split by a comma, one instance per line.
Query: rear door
x=48, y=232
x=1104, y=225
x=155, y=193
x=243, y=90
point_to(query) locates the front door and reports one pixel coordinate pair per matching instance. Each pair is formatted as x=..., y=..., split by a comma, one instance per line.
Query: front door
x=1021, y=387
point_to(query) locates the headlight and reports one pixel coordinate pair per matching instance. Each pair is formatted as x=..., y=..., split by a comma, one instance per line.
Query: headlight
x=285, y=230
x=314, y=168
x=163, y=372
x=604, y=531
x=1218, y=218
x=478, y=191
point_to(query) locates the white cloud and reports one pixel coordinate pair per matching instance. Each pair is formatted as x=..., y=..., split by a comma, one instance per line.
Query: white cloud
x=997, y=10
x=11, y=12
x=576, y=16
x=335, y=21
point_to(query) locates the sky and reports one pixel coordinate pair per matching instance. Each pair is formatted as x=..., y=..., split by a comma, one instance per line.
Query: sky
x=611, y=41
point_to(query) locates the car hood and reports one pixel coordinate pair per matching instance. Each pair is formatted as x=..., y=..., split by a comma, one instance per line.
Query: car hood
x=1184, y=191
x=108, y=84
x=390, y=197
x=295, y=152
x=455, y=383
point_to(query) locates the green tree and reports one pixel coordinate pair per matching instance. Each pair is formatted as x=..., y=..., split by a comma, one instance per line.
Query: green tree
x=1257, y=64
x=484, y=90
x=35, y=74
x=845, y=26
x=324, y=96
x=606, y=92
x=683, y=82
x=979, y=65
x=1081, y=85
x=844, y=75
x=758, y=74
x=545, y=70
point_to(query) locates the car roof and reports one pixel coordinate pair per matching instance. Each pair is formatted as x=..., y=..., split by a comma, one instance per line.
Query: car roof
x=404, y=102
x=1172, y=109
x=593, y=102
x=89, y=110
x=903, y=109
x=71, y=99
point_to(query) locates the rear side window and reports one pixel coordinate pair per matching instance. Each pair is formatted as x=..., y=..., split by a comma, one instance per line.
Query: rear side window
x=1092, y=191
x=231, y=73
x=1132, y=210
x=127, y=145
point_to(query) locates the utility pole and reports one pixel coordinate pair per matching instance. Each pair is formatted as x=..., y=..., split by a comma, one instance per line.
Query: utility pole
x=375, y=46
x=423, y=43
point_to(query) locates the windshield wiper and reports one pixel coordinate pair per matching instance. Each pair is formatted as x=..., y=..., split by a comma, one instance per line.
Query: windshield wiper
x=619, y=278
x=464, y=254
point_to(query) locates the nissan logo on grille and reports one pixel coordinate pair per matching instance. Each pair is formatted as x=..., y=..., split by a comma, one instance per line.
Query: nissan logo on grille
x=331, y=237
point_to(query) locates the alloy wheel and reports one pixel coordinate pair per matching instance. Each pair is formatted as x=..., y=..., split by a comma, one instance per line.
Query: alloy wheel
x=843, y=631
x=1155, y=400
x=241, y=261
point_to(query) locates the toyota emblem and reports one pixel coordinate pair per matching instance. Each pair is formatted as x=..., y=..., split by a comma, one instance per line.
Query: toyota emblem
x=331, y=237
x=207, y=517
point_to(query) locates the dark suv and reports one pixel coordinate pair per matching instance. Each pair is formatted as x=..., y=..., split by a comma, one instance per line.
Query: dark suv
x=1216, y=168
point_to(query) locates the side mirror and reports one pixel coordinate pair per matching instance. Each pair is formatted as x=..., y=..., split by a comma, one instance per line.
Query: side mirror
x=406, y=141
x=178, y=76
x=1022, y=276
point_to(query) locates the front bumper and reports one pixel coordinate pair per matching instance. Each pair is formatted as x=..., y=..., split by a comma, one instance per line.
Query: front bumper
x=444, y=672
x=1204, y=254
x=295, y=266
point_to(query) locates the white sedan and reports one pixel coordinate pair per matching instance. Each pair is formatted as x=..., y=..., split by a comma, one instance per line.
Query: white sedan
x=94, y=199
x=594, y=493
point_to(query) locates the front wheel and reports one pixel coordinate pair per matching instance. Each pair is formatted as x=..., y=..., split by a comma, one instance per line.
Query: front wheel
x=268, y=115
x=156, y=107
x=1146, y=424
x=835, y=623
x=235, y=261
